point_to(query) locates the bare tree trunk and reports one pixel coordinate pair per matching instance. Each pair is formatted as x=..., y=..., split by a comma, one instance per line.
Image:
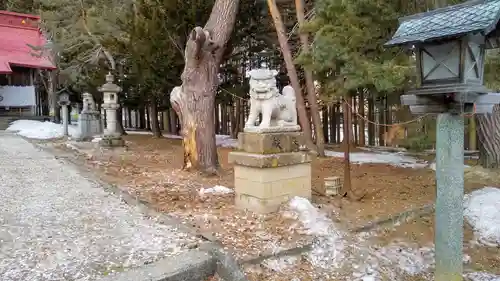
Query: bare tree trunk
x=236, y=119
x=348, y=144
x=361, y=104
x=311, y=90
x=55, y=109
x=472, y=133
x=148, y=118
x=489, y=138
x=354, y=119
x=305, y=124
x=324, y=113
x=194, y=102
x=333, y=123
x=371, y=118
x=119, y=121
x=142, y=118
x=217, y=118
x=155, y=124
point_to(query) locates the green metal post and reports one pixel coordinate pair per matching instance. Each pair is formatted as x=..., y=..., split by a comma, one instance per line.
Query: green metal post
x=449, y=198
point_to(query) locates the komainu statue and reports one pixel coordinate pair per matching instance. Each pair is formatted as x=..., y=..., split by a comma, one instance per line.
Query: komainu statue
x=279, y=113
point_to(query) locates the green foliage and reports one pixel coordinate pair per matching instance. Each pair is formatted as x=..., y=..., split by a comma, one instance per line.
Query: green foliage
x=348, y=51
x=19, y=6
x=421, y=135
x=418, y=143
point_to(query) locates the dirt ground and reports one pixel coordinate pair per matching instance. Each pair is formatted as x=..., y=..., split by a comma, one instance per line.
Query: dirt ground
x=150, y=169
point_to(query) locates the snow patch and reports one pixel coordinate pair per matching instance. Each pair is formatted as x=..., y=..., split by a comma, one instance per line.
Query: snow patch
x=395, y=159
x=281, y=264
x=432, y=166
x=482, y=211
x=218, y=189
x=482, y=276
x=334, y=249
x=40, y=130
x=328, y=247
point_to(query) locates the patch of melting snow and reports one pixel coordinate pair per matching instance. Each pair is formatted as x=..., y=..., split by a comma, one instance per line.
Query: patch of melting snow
x=482, y=276
x=40, y=130
x=333, y=249
x=482, y=211
x=328, y=246
x=395, y=159
x=216, y=190
x=432, y=166
x=281, y=264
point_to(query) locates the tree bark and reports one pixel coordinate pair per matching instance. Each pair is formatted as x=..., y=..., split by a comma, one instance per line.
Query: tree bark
x=472, y=133
x=155, y=124
x=142, y=118
x=217, y=118
x=489, y=138
x=361, y=104
x=148, y=118
x=371, y=118
x=173, y=121
x=347, y=190
x=194, y=102
x=354, y=119
x=311, y=90
x=324, y=113
x=236, y=118
x=333, y=123
x=119, y=121
x=305, y=124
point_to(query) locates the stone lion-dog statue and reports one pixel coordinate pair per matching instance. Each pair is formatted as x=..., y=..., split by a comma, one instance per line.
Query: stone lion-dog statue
x=278, y=111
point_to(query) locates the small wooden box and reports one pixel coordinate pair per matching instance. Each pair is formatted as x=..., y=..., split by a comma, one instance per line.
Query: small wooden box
x=332, y=186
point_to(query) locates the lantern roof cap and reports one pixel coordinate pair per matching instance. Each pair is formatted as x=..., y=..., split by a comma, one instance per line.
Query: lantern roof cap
x=475, y=16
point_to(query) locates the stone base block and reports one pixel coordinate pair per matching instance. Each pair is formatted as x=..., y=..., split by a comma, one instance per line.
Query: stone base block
x=112, y=142
x=268, y=160
x=272, y=129
x=263, y=190
x=270, y=143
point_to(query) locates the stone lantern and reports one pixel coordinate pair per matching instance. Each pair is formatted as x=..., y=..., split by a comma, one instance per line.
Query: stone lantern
x=64, y=102
x=112, y=136
x=449, y=46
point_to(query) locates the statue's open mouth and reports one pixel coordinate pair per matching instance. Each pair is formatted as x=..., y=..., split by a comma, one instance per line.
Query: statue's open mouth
x=261, y=90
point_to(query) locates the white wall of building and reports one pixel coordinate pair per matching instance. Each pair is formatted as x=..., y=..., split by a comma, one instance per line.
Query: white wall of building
x=17, y=96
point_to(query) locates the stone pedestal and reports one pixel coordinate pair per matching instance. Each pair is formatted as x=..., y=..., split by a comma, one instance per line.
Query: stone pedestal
x=89, y=125
x=65, y=118
x=269, y=170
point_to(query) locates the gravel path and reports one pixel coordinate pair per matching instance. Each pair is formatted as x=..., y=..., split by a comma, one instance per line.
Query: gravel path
x=57, y=225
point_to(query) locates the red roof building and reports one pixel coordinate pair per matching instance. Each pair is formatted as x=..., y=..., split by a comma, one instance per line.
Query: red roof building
x=21, y=89
x=17, y=33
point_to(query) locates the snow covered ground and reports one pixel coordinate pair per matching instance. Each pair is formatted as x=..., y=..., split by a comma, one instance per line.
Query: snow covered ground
x=482, y=211
x=392, y=158
x=40, y=130
x=335, y=250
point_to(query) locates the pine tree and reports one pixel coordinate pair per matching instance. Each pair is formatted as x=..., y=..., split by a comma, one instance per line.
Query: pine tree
x=348, y=52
